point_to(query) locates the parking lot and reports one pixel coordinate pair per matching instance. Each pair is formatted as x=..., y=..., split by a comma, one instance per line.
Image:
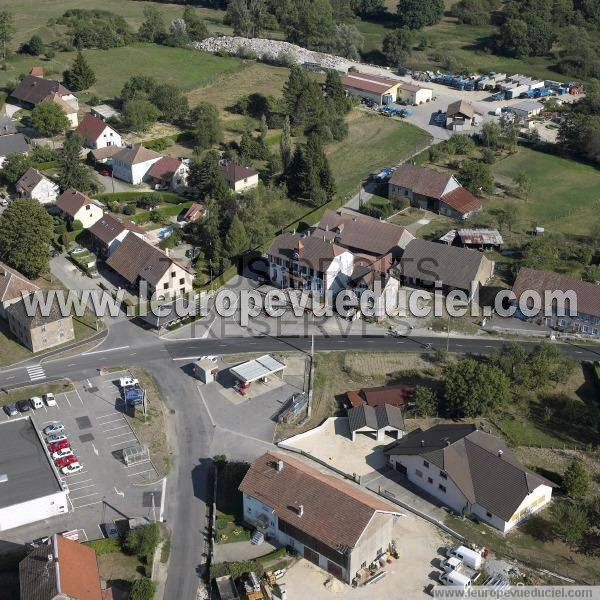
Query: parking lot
x=106, y=489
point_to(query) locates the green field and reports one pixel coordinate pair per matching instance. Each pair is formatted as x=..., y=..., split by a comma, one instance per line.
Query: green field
x=565, y=194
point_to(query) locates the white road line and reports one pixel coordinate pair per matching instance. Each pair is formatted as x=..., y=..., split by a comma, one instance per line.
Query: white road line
x=113, y=421
x=72, y=365
x=80, y=398
x=115, y=428
x=86, y=505
x=84, y=533
x=123, y=442
x=140, y=473
x=100, y=351
x=110, y=437
x=86, y=496
x=83, y=487
x=69, y=501
x=108, y=415
x=82, y=481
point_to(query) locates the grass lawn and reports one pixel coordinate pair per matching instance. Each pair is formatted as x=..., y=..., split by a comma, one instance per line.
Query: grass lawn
x=565, y=194
x=229, y=522
x=56, y=387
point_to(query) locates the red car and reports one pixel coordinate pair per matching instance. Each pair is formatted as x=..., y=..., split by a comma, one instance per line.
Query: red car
x=56, y=446
x=65, y=461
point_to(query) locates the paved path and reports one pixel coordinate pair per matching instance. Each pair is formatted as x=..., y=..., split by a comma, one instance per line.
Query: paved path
x=237, y=551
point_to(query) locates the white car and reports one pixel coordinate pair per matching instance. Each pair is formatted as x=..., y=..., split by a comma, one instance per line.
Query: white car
x=36, y=402
x=62, y=453
x=50, y=399
x=128, y=381
x=71, y=469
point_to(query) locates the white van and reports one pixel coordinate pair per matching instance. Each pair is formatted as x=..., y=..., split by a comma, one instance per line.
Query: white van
x=36, y=402
x=469, y=557
x=455, y=579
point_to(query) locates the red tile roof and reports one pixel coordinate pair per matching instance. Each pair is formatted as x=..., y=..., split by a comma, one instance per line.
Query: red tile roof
x=334, y=512
x=78, y=570
x=164, y=169
x=396, y=395
x=91, y=128
x=194, y=212
x=107, y=228
x=311, y=251
x=366, y=85
x=461, y=200
x=13, y=284
x=420, y=180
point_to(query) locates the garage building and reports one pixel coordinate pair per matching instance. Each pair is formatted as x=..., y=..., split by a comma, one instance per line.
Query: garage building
x=30, y=486
x=414, y=94
x=376, y=420
x=382, y=90
x=527, y=109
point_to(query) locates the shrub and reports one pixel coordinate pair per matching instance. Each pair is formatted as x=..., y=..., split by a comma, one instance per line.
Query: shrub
x=575, y=479
x=143, y=541
x=129, y=209
x=142, y=589
x=570, y=521
x=105, y=546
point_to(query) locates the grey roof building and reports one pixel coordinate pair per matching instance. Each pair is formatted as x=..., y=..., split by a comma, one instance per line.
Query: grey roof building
x=11, y=144
x=7, y=126
x=377, y=420
x=471, y=470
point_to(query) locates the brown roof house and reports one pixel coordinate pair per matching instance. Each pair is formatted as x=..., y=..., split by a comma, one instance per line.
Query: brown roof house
x=431, y=190
x=13, y=286
x=584, y=318
x=335, y=525
x=471, y=471
x=37, y=186
x=461, y=116
x=76, y=206
x=425, y=263
x=239, y=178
x=61, y=569
x=109, y=231
x=194, y=213
x=400, y=395
x=309, y=263
x=137, y=261
x=33, y=90
x=133, y=163
x=38, y=327
x=97, y=133
x=169, y=173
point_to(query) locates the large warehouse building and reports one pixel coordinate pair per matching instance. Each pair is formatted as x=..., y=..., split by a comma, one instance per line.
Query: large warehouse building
x=30, y=487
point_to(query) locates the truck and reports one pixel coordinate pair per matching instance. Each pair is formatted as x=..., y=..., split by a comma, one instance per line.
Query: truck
x=455, y=579
x=133, y=395
x=456, y=564
x=470, y=558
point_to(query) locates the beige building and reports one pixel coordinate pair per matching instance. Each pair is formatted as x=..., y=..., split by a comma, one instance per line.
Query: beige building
x=76, y=206
x=13, y=286
x=333, y=524
x=414, y=94
x=238, y=177
x=37, y=186
x=382, y=90
x=140, y=263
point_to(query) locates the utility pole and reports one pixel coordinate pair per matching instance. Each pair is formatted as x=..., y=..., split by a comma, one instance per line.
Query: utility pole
x=311, y=374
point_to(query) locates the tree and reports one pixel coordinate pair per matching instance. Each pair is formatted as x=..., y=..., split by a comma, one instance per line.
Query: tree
x=471, y=388
x=263, y=127
x=33, y=46
x=171, y=102
x=576, y=480
x=334, y=90
x=416, y=14
x=236, y=240
x=142, y=589
x=368, y=8
x=138, y=86
x=26, y=230
x=152, y=28
x=397, y=46
x=246, y=17
x=490, y=134
x=206, y=125
x=425, y=401
x=80, y=76
x=524, y=184
x=205, y=178
x=49, y=119
x=507, y=217
x=311, y=25
x=476, y=176
x=347, y=41
x=73, y=173
x=570, y=522
x=195, y=27
x=285, y=144
x=139, y=115
x=591, y=273
x=472, y=12
x=7, y=30
x=14, y=167
x=513, y=38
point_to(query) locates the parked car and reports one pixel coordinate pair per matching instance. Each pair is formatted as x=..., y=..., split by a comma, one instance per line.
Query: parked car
x=127, y=381
x=36, y=402
x=56, y=427
x=23, y=405
x=65, y=461
x=57, y=437
x=50, y=399
x=62, y=453
x=58, y=446
x=71, y=469
x=11, y=410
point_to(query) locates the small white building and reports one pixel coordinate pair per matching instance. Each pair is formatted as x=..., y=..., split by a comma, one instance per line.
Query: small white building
x=527, y=109
x=98, y=134
x=31, y=489
x=76, y=206
x=410, y=93
x=239, y=178
x=472, y=472
x=133, y=163
x=105, y=112
x=37, y=186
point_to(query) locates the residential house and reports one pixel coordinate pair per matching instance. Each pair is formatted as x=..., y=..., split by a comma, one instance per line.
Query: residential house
x=38, y=331
x=70, y=109
x=194, y=213
x=337, y=526
x=425, y=263
x=409, y=93
x=239, y=178
x=12, y=143
x=478, y=239
x=109, y=231
x=399, y=394
x=527, y=109
x=76, y=206
x=33, y=90
x=169, y=173
x=137, y=261
x=97, y=133
x=13, y=286
x=105, y=112
x=37, y=71
x=37, y=186
x=133, y=163
x=104, y=155
x=379, y=89
x=362, y=234
x=60, y=569
x=375, y=421
x=309, y=263
x=431, y=190
x=462, y=116
x=585, y=320
x=472, y=472
x=7, y=125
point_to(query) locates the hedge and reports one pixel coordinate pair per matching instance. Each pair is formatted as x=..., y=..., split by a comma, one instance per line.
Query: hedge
x=167, y=197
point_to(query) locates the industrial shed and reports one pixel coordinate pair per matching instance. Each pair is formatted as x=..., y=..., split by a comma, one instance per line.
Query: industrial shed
x=414, y=94
x=382, y=90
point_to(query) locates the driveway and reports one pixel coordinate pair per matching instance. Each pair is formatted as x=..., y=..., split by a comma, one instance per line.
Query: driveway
x=112, y=185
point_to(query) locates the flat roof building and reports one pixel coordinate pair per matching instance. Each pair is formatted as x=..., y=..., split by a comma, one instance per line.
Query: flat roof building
x=30, y=486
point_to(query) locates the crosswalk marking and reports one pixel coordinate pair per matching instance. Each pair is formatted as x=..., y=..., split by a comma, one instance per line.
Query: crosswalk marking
x=36, y=372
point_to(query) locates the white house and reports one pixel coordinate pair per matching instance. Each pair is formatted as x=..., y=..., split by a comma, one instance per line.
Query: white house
x=133, y=163
x=337, y=526
x=472, y=472
x=169, y=173
x=78, y=207
x=37, y=186
x=238, y=177
x=98, y=134
x=309, y=263
x=109, y=231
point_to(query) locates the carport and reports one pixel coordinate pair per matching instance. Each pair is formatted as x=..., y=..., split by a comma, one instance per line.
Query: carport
x=254, y=370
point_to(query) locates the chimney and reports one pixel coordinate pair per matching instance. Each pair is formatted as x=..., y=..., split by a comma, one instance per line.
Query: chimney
x=279, y=465
x=500, y=453
x=300, y=510
x=299, y=247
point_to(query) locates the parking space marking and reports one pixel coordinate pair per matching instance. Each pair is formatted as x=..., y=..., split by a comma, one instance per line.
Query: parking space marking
x=86, y=505
x=114, y=428
x=110, y=414
x=84, y=533
x=110, y=437
x=140, y=473
x=80, y=399
x=67, y=399
x=123, y=442
x=109, y=422
x=86, y=496
x=83, y=487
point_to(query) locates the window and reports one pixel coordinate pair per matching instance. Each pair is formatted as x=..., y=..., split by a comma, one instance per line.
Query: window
x=442, y=487
x=88, y=207
x=426, y=464
x=418, y=473
x=166, y=286
x=429, y=480
x=181, y=281
x=173, y=273
x=443, y=475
